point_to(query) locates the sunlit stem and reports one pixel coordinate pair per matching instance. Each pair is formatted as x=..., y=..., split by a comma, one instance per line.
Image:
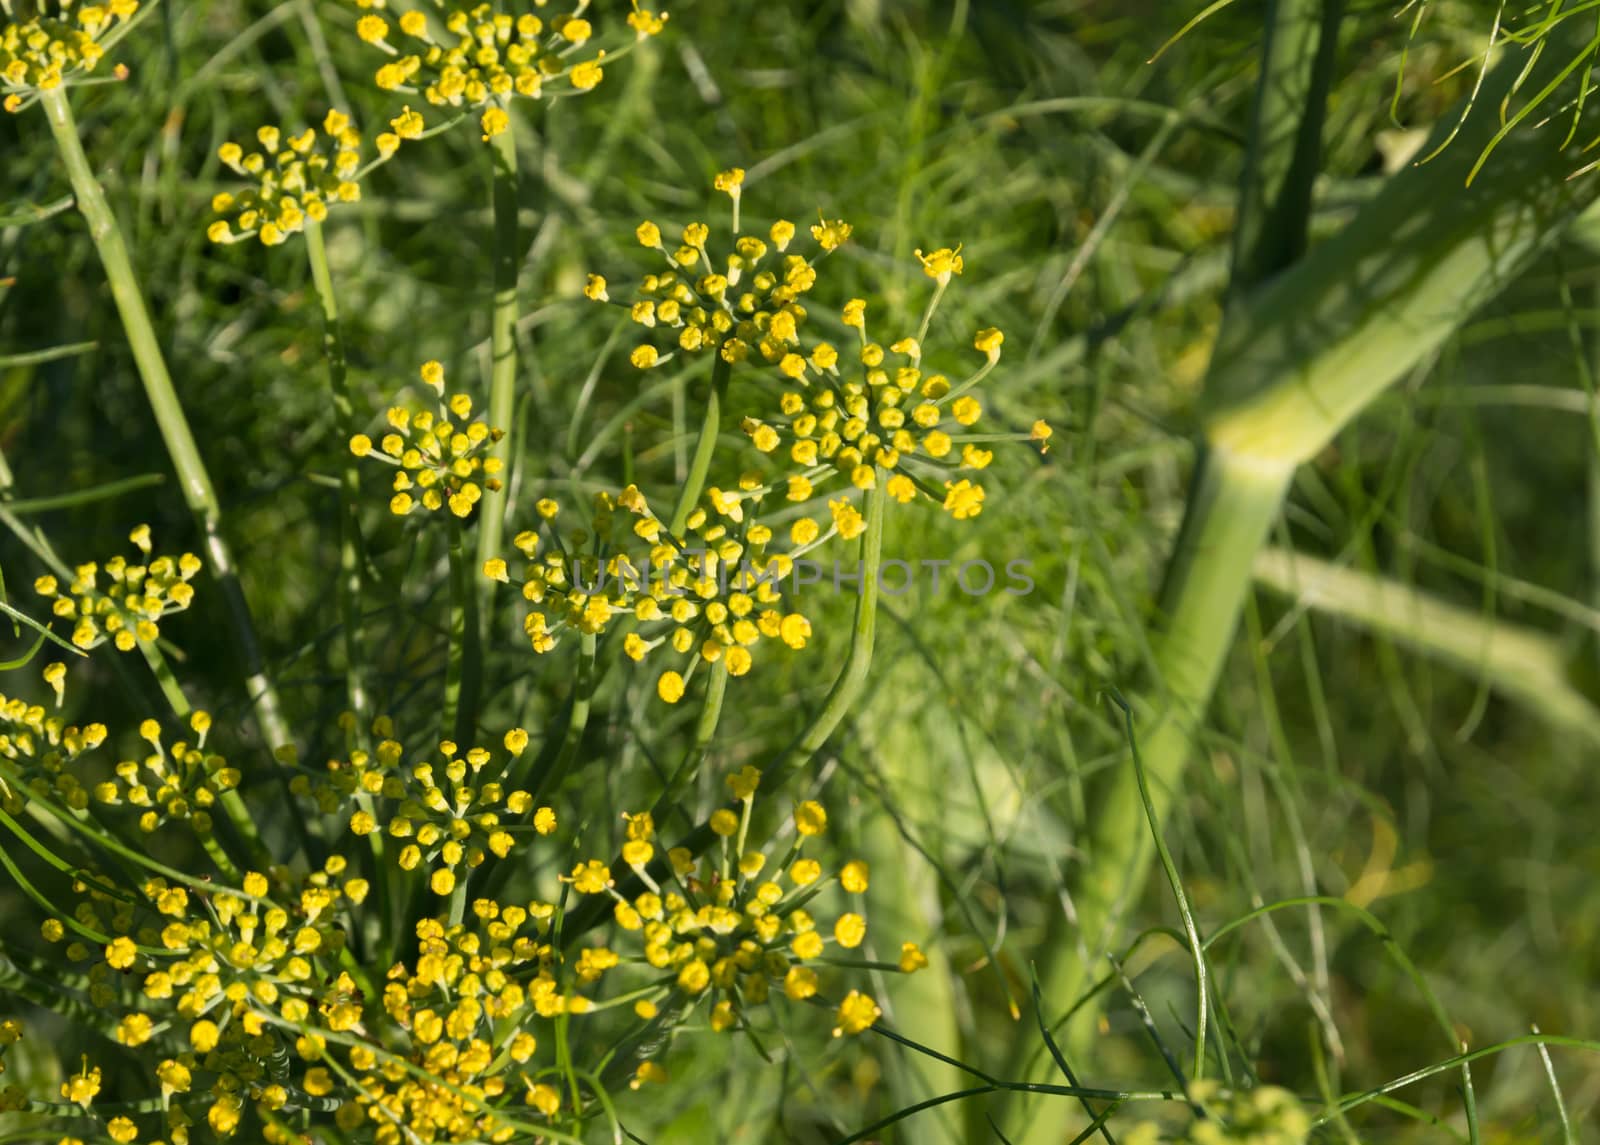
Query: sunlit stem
x=933, y=304
x=502, y=342
x=852, y=678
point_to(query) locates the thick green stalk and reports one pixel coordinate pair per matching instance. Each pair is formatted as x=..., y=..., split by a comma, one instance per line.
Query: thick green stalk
x=1298, y=359
x=1522, y=663
x=463, y=663
x=1273, y=219
x=502, y=343
x=350, y=587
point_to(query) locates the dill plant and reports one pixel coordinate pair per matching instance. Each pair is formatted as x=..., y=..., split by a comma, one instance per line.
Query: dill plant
x=365, y=967
x=427, y=932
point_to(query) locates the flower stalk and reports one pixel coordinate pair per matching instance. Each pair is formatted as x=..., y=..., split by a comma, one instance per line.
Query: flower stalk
x=193, y=479
x=502, y=340
x=350, y=547
x=464, y=660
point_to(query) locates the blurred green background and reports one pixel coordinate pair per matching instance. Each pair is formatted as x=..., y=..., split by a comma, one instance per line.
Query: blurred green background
x=1093, y=191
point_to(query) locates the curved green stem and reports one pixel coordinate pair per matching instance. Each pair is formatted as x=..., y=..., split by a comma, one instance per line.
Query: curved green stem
x=852, y=678
x=705, y=729
x=705, y=447
x=193, y=479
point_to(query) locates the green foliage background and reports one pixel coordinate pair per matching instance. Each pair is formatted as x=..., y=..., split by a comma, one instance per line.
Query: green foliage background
x=1093, y=191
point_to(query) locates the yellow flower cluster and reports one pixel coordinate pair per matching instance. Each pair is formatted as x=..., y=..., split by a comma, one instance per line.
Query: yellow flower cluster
x=439, y=461
x=465, y=1005
x=481, y=58
x=709, y=595
x=178, y=783
x=223, y=973
x=13, y=1096
x=870, y=414
x=444, y=819
x=728, y=929
x=299, y=177
x=732, y=305
x=133, y=600
x=38, y=747
x=1266, y=1115
x=42, y=53
x=883, y=413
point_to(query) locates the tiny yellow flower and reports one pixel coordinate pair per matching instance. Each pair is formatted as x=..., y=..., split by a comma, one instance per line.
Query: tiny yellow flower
x=911, y=958
x=857, y=1014
x=670, y=687
x=494, y=121
x=408, y=124
x=853, y=877
x=941, y=264
x=810, y=818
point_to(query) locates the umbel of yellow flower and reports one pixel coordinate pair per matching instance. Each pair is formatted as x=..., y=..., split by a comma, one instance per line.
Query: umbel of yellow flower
x=478, y=57
x=738, y=304
x=706, y=598
x=881, y=410
x=299, y=177
x=445, y=817
x=128, y=605
x=44, y=52
x=438, y=461
x=734, y=927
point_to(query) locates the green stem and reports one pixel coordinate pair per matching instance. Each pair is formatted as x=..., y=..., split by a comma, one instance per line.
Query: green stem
x=463, y=664
x=705, y=729
x=1298, y=359
x=546, y=772
x=1232, y=505
x=1274, y=211
x=350, y=586
x=582, y=696
x=852, y=678
x=502, y=342
x=231, y=801
x=352, y=591
x=705, y=447
x=458, y=900
x=193, y=480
